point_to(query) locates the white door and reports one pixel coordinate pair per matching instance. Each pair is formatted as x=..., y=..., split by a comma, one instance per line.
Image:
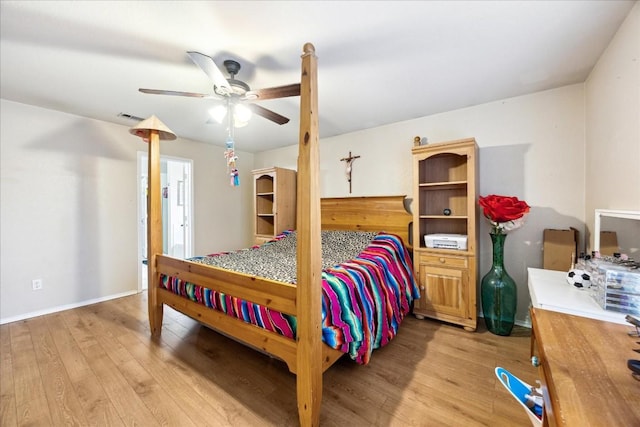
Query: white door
x=177, y=209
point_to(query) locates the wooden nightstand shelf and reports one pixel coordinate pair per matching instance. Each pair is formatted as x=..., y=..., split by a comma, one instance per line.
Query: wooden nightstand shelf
x=444, y=176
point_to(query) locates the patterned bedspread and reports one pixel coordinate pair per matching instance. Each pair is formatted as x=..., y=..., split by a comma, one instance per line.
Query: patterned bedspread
x=367, y=288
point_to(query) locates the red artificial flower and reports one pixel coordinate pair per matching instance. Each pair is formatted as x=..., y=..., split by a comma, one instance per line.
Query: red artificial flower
x=503, y=209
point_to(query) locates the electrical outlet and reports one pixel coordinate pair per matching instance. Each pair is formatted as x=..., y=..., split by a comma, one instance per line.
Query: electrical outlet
x=36, y=284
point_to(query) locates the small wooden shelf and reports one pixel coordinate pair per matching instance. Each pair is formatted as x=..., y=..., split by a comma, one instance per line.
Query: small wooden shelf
x=274, y=202
x=444, y=217
x=443, y=185
x=448, y=167
x=264, y=204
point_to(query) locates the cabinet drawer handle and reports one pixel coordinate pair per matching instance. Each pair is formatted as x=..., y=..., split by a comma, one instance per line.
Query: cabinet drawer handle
x=535, y=361
x=442, y=260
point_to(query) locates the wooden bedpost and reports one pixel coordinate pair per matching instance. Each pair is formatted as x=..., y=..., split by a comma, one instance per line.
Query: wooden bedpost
x=309, y=250
x=152, y=130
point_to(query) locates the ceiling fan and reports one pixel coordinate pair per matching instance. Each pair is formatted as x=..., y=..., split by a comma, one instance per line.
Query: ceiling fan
x=234, y=91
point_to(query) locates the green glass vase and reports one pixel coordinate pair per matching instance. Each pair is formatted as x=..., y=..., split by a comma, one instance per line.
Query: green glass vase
x=498, y=292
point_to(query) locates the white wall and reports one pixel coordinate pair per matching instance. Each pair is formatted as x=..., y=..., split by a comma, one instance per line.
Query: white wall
x=530, y=147
x=613, y=132
x=68, y=207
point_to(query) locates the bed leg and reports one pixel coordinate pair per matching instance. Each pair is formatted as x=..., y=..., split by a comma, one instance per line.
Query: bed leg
x=156, y=312
x=309, y=398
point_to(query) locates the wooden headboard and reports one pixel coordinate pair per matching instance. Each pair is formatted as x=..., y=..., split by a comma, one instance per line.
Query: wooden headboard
x=376, y=213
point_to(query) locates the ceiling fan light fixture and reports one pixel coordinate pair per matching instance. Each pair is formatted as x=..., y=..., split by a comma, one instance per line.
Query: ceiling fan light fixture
x=218, y=113
x=241, y=113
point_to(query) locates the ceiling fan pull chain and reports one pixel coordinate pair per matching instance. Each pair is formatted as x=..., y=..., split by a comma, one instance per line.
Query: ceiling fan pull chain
x=229, y=153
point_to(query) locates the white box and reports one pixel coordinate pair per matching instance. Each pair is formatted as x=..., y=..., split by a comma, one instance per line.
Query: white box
x=446, y=241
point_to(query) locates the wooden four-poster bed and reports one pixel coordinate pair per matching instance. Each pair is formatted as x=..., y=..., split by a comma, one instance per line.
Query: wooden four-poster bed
x=306, y=355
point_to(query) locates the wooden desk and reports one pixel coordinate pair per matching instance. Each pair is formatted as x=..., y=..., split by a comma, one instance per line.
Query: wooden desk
x=583, y=364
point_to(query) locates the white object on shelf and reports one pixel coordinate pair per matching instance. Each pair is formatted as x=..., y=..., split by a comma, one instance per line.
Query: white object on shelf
x=446, y=241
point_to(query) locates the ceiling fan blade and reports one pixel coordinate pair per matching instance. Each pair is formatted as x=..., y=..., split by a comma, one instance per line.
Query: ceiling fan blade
x=177, y=93
x=268, y=114
x=211, y=69
x=273, y=92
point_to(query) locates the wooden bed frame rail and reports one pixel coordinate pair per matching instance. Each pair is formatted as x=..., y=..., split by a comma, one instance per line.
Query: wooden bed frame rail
x=268, y=293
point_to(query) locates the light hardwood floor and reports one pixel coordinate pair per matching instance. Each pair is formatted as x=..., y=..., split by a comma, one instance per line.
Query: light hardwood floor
x=97, y=365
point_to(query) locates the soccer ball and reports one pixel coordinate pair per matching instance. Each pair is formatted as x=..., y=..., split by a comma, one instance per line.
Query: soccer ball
x=578, y=278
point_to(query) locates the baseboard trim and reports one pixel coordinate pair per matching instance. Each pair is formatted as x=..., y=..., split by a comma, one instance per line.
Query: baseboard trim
x=64, y=307
x=526, y=323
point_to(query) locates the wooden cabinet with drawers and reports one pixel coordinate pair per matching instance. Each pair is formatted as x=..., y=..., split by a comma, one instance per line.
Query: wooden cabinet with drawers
x=445, y=203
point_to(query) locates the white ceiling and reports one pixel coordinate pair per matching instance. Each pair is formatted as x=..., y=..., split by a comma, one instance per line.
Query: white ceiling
x=379, y=61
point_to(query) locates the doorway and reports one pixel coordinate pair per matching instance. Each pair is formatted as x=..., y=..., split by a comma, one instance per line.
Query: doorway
x=177, y=210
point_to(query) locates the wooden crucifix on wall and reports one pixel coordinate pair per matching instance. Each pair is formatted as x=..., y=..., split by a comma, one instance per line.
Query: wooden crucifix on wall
x=349, y=161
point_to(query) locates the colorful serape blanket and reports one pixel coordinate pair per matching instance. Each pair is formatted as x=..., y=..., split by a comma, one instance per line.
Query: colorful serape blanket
x=364, y=299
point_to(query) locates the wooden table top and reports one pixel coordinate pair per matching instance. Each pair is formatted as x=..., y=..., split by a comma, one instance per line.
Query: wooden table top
x=585, y=368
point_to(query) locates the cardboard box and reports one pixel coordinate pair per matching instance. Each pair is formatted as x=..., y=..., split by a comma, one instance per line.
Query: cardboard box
x=559, y=249
x=608, y=243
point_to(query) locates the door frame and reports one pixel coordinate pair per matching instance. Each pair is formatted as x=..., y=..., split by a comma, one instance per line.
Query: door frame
x=187, y=197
